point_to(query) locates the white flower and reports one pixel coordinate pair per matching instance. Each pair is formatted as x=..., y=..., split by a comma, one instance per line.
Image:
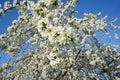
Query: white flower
x=70, y=52
x=55, y=20
x=93, y=63
x=1, y=12
x=7, y=5
x=53, y=53
x=3, y=36
x=94, y=56
x=3, y=46
x=11, y=28
x=72, y=60
x=88, y=53
x=55, y=62
x=14, y=2
x=15, y=22
x=116, y=36
x=4, y=65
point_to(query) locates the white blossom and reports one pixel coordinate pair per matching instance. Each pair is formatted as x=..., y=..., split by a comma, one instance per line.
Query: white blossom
x=116, y=36
x=1, y=12
x=7, y=5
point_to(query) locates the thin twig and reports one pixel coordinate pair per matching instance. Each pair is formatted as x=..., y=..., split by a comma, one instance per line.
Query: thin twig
x=62, y=75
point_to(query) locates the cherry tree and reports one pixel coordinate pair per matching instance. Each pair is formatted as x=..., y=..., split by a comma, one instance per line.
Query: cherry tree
x=48, y=42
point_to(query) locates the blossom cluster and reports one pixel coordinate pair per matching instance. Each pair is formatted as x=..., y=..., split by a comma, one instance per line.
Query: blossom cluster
x=47, y=42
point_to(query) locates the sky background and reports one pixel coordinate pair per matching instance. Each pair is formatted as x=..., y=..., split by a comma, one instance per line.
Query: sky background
x=110, y=8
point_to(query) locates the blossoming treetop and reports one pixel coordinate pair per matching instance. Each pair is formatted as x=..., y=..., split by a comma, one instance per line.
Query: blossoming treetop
x=47, y=42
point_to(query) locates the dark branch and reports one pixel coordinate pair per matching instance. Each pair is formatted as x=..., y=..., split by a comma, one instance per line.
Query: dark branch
x=62, y=75
x=105, y=70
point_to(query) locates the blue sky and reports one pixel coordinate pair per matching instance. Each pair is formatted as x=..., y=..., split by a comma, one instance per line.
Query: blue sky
x=110, y=8
x=106, y=7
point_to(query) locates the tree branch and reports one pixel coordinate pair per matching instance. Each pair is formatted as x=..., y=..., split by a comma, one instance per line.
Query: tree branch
x=62, y=75
x=105, y=70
